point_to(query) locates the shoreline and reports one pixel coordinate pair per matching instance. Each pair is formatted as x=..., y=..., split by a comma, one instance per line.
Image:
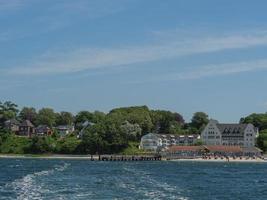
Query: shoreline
x=95, y=158
x=220, y=160
x=52, y=156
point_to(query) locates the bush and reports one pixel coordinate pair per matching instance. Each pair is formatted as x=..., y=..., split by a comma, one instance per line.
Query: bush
x=15, y=144
x=41, y=145
x=133, y=149
x=68, y=145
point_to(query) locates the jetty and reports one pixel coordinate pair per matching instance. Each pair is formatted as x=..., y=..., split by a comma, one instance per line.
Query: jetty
x=128, y=158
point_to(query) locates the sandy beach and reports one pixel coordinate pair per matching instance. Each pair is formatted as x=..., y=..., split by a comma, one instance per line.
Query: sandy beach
x=243, y=160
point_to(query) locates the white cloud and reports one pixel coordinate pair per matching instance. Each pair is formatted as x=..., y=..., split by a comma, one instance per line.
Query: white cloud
x=88, y=58
x=215, y=70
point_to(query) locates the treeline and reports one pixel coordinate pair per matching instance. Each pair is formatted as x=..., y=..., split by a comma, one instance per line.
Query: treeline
x=118, y=131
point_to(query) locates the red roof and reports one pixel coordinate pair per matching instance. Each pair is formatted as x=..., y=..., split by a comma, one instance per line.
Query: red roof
x=220, y=148
x=185, y=148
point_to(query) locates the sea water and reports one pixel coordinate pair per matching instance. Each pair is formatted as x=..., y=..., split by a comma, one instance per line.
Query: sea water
x=84, y=179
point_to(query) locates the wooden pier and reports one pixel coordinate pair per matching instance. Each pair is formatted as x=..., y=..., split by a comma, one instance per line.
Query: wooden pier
x=128, y=158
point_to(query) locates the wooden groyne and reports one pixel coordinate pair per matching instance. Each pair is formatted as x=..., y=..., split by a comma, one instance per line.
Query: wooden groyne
x=128, y=158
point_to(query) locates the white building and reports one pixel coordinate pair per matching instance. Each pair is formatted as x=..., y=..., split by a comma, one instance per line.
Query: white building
x=243, y=135
x=155, y=142
x=64, y=130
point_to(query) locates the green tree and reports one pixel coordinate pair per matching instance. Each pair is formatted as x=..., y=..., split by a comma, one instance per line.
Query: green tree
x=92, y=141
x=83, y=116
x=166, y=121
x=68, y=145
x=199, y=120
x=199, y=142
x=41, y=145
x=258, y=120
x=28, y=113
x=98, y=117
x=64, y=118
x=46, y=116
x=175, y=128
x=137, y=114
x=262, y=140
x=8, y=110
x=132, y=132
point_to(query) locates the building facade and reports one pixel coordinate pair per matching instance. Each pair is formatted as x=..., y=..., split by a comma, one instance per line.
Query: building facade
x=243, y=135
x=43, y=130
x=12, y=125
x=64, y=130
x=156, y=142
x=26, y=128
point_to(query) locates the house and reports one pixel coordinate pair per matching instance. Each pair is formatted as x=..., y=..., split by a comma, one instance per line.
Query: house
x=156, y=142
x=84, y=126
x=12, y=125
x=243, y=135
x=151, y=142
x=64, y=130
x=26, y=128
x=43, y=130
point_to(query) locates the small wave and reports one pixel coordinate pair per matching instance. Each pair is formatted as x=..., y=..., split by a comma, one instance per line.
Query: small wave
x=29, y=187
x=151, y=188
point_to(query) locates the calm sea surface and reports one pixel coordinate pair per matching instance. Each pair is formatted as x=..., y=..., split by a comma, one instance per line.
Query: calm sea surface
x=80, y=179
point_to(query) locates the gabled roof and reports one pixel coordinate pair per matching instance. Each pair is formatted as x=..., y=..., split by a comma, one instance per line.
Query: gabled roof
x=64, y=127
x=42, y=128
x=232, y=129
x=27, y=123
x=12, y=121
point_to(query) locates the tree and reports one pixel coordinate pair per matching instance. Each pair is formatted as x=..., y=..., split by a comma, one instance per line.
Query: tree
x=98, y=117
x=46, y=116
x=258, y=120
x=64, y=118
x=28, y=113
x=68, y=145
x=179, y=118
x=132, y=132
x=175, y=128
x=8, y=110
x=262, y=140
x=83, y=116
x=41, y=145
x=199, y=120
x=92, y=140
x=166, y=121
x=136, y=114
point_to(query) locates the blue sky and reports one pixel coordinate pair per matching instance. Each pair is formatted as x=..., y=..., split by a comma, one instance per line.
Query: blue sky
x=180, y=55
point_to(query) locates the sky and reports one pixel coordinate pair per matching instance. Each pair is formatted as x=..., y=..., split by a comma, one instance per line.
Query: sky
x=179, y=55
